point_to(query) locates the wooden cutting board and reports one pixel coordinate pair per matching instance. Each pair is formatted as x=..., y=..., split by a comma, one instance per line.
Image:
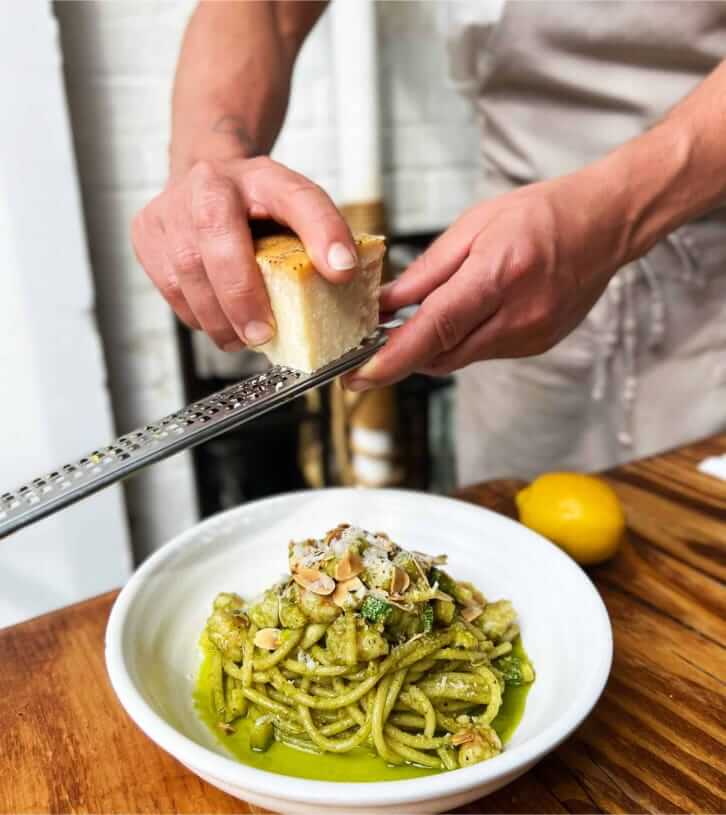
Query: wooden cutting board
x=654, y=743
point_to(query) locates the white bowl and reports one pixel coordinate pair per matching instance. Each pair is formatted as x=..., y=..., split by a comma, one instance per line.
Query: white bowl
x=152, y=655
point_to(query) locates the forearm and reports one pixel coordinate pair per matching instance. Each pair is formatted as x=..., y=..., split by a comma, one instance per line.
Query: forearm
x=671, y=174
x=233, y=78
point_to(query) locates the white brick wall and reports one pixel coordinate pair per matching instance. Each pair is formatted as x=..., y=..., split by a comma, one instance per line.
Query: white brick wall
x=55, y=406
x=119, y=59
x=119, y=62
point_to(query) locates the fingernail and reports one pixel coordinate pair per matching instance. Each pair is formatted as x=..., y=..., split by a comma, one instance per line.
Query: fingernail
x=231, y=347
x=357, y=385
x=341, y=258
x=387, y=288
x=257, y=333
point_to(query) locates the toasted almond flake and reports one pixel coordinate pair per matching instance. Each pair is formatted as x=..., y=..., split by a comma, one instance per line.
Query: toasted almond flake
x=268, y=638
x=463, y=737
x=471, y=612
x=343, y=589
x=334, y=534
x=350, y=565
x=313, y=580
x=400, y=581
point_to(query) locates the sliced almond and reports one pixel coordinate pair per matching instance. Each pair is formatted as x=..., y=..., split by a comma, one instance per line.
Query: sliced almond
x=350, y=565
x=313, y=580
x=323, y=587
x=343, y=589
x=471, y=612
x=268, y=638
x=334, y=534
x=463, y=737
x=400, y=581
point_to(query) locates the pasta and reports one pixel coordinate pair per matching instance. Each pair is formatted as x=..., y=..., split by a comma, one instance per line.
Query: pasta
x=365, y=645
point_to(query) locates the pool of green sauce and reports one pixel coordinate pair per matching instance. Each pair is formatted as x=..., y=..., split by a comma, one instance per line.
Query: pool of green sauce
x=358, y=764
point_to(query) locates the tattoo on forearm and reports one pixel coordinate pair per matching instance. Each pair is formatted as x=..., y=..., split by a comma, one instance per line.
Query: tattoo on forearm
x=235, y=125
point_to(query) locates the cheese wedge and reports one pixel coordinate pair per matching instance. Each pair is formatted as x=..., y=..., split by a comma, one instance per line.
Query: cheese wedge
x=317, y=321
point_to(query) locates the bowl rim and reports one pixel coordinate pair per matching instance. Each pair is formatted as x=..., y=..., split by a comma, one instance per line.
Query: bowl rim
x=365, y=793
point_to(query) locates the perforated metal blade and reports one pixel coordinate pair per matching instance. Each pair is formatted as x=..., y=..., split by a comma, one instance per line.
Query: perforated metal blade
x=193, y=425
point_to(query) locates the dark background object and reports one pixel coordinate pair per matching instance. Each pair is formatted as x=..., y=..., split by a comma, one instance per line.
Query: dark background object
x=261, y=458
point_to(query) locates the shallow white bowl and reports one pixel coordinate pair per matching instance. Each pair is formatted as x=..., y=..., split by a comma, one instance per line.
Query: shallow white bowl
x=152, y=655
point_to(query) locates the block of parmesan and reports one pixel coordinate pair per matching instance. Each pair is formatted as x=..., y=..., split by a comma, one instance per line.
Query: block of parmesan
x=317, y=321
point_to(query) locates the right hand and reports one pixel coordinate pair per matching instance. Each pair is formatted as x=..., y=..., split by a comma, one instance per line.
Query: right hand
x=194, y=242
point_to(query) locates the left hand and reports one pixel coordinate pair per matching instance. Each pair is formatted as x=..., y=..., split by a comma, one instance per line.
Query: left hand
x=510, y=278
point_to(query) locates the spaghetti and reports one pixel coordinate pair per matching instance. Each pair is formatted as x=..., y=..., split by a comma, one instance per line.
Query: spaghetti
x=365, y=644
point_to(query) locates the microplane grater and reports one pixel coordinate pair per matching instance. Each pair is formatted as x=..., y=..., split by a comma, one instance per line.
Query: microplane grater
x=196, y=423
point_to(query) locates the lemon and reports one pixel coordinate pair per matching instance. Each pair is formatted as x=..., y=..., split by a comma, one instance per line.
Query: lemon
x=580, y=513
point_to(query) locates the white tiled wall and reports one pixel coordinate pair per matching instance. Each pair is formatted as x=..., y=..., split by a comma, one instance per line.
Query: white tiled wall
x=119, y=61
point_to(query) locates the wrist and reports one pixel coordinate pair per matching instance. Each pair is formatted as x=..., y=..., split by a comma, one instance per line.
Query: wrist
x=224, y=139
x=649, y=184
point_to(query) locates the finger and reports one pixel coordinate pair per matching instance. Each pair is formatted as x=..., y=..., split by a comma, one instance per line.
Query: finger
x=148, y=241
x=445, y=319
x=485, y=342
x=430, y=269
x=225, y=245
x=185, y=259
x=293, y=200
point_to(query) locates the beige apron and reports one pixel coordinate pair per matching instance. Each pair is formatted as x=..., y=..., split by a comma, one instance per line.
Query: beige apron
x=557, y=85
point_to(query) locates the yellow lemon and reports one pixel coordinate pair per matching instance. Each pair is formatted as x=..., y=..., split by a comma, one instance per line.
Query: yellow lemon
x=580, y=513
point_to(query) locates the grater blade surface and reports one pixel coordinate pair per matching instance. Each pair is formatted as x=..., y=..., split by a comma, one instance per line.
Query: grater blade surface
x=194, y=424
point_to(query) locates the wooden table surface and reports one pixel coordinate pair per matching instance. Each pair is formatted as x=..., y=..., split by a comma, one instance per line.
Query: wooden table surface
x=654, y=742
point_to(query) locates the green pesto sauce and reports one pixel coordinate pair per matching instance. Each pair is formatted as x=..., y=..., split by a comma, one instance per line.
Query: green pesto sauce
x=358, y=764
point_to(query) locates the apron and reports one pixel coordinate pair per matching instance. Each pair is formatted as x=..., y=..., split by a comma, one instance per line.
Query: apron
x=556, y=85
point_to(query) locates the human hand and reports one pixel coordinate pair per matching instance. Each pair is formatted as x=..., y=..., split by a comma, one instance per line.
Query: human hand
x=195, y=244
x=510, y=278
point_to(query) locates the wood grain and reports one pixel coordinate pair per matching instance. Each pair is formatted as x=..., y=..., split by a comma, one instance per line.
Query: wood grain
x=654, y=743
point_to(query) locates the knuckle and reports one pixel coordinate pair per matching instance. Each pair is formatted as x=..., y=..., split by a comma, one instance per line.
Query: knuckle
x=171, y=290
x=445, y=327
x=203, y=170
x=214, y=211
x=239, y=291
x=187, y=261
x=523, y=259
x=305, y=189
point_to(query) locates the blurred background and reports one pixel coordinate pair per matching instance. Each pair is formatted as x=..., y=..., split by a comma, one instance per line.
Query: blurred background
x=90, y=350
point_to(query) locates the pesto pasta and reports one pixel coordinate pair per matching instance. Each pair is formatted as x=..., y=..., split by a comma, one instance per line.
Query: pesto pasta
x=365, y=644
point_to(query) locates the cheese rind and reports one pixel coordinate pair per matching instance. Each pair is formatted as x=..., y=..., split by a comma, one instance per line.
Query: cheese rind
x=317, y=321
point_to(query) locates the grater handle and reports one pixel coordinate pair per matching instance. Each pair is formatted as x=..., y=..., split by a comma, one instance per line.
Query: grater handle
x=197, y=423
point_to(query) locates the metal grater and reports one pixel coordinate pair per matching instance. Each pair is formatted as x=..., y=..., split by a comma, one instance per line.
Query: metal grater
x=193, y=425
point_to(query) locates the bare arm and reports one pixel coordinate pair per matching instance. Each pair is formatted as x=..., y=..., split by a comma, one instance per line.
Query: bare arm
x=515, y=274
x=230, y=97
x=674, y=172
x=233, y=79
